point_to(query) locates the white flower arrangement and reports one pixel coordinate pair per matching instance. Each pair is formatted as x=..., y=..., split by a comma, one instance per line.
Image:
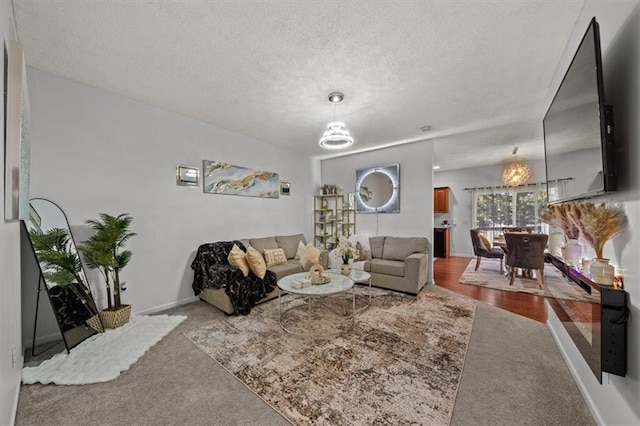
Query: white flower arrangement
x=346, y=250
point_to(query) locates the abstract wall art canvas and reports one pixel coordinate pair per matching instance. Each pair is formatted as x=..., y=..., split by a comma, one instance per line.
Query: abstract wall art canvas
x=224, y=178
x=17, y=152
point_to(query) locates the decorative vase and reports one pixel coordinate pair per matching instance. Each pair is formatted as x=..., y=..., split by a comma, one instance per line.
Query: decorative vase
x=573, y=253
x=345, y=269
x=602, y=272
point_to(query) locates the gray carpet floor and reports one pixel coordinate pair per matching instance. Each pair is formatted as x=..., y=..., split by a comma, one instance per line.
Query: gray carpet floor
x=513, y=375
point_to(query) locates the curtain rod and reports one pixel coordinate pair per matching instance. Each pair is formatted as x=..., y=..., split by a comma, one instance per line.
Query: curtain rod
x=520, y=186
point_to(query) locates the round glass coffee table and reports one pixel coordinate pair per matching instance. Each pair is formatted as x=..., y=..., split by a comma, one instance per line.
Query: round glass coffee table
x=314, y=293
x=359, y=277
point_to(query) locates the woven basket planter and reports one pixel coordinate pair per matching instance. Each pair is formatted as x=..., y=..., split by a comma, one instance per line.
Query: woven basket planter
x=115, y=318
x=95, y=323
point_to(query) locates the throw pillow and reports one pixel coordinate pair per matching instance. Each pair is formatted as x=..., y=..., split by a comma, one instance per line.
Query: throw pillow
x=256, y=262
x=289, y=243
x=364, y=252
x=309, y=255
x=485, y=242
x=236, y=259
x=275, y=257
x=300, y=250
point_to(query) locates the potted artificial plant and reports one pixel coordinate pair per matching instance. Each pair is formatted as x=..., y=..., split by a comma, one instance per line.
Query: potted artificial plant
x=105, y=252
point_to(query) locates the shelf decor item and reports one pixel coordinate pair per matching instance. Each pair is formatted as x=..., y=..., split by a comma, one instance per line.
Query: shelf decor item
x=573, y=252
x=316, y=274
x=105, y=251
x=602, y=272
x=558, y=215
x=598, y=223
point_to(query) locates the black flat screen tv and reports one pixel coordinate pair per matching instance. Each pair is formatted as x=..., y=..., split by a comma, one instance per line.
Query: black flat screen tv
x=578, y=129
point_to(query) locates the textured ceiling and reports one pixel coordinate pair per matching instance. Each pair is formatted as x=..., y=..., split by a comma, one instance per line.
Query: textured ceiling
x=477, y=72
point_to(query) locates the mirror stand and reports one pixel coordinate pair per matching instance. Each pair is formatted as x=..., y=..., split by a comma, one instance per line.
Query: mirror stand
x=59, y=271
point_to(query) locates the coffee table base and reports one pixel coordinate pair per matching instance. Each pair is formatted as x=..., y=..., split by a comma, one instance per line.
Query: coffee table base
x=309, y=334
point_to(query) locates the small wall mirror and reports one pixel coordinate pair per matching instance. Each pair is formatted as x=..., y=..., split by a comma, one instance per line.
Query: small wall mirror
x=61, y=273
x=187, y=175
x=378, y=189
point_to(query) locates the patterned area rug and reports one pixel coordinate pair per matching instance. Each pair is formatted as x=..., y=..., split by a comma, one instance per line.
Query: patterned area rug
x=400, y=364
x=555, y=285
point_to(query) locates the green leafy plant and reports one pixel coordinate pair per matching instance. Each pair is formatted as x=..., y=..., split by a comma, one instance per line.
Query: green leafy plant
x=105, y=251
x=59, y=263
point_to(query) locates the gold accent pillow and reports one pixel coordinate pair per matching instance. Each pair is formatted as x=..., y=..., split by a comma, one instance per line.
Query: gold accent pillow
x=236, y=259
x=275, y=256
x=256, y=262
x=485, y=242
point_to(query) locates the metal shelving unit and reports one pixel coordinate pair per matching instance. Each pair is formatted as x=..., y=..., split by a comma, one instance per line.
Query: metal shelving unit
x=331, y=220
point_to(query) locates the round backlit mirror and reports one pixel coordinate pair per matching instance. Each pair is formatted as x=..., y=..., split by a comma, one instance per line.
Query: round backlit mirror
x=377, y=190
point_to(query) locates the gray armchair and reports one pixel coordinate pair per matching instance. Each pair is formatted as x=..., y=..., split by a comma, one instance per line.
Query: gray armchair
x=480, y=250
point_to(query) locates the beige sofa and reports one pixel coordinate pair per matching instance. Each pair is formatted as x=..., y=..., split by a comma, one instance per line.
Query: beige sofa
x=289, y=243
x=398, y=263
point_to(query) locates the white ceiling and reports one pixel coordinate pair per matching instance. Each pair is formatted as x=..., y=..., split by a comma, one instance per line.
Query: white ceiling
x=477, y=72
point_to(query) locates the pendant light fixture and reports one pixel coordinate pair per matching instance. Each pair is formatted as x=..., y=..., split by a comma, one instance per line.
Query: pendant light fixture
x=337, y=136
x=516, y=173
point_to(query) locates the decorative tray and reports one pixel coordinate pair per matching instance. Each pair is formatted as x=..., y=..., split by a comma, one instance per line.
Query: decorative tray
x=323, y=280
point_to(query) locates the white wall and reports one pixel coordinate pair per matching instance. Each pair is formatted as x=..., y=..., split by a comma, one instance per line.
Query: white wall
x=615, y=402
x=95, y=152
x=416, y=188
x=460, y=200
x=10, y=334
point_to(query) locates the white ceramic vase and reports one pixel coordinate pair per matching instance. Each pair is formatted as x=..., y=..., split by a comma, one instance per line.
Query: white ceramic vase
x=602, y=272
x=345, y=269
x=573, y=253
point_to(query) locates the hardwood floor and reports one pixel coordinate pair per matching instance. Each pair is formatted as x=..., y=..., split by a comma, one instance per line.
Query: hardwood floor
x=447, y=272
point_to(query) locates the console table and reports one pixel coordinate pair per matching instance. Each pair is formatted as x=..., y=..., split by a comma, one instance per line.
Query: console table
x=607, y=352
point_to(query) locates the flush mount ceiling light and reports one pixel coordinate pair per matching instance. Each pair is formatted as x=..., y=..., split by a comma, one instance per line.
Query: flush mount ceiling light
x=337, y=136
x=516, y=173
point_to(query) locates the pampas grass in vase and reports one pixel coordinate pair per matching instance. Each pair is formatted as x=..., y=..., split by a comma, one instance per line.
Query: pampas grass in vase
x=558, y=215
x=598, y=223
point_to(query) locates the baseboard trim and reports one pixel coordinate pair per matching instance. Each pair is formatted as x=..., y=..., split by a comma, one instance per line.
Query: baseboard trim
x=16, y=397
x=49, y=338
x=583, y=389
x=167, y=306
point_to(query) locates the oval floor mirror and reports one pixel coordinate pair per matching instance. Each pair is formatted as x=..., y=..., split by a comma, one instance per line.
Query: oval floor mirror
x=61, y=274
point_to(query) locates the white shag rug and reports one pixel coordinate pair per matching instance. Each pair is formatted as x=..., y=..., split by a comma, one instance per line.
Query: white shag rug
x=103, y=357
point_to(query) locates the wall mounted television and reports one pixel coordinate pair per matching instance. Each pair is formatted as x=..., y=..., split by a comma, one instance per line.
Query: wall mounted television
x=578, y=129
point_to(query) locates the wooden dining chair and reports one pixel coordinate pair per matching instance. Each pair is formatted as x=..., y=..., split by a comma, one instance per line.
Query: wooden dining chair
x=525, y=251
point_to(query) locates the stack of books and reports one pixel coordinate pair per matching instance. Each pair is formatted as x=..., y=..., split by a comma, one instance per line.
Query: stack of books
x=301, y=283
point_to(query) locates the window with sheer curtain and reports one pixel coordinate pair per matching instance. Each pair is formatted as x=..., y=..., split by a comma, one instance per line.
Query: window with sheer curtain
x=494, y=208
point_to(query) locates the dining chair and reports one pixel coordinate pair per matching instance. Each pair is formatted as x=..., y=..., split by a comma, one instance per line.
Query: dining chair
x=525, y=251
x=481, y=250
x=528, y=229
